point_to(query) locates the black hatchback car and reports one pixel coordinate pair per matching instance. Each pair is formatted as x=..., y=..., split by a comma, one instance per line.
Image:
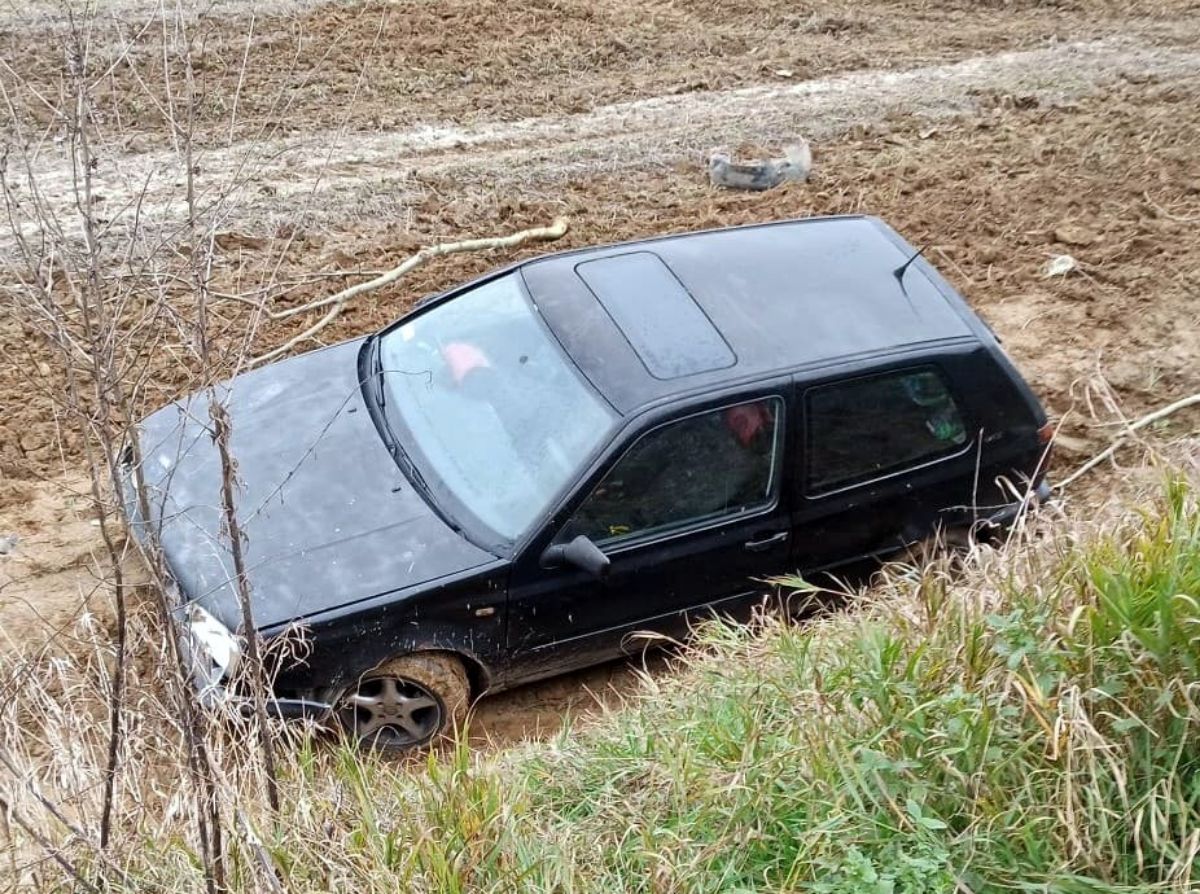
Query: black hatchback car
x=524, y=472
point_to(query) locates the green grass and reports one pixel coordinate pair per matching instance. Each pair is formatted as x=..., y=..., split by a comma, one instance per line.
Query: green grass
x=1028, y=725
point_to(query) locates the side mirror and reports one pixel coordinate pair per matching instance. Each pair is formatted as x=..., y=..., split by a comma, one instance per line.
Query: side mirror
x=581, y=553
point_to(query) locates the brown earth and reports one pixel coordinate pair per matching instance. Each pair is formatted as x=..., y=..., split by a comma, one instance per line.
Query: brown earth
x=287, y=68
x=992, y=192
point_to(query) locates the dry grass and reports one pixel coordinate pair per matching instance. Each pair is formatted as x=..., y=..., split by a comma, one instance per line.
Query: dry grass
x=1025, y=721
x=847, y=756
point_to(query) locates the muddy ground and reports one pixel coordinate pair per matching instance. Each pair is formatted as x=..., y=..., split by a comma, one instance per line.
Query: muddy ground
x=997, y=136
x=291, y=66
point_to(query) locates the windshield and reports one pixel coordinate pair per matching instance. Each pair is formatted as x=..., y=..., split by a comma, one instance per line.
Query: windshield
x=492, y=404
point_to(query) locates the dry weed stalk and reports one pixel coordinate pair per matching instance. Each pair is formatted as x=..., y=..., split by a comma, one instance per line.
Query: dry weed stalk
x=103, y=295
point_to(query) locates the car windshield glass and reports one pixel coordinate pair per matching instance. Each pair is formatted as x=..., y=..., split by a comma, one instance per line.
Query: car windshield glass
x=491, y=403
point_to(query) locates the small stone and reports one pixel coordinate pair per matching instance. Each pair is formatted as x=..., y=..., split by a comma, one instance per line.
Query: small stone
x=1073, y=235
x=1060, y=265
x=239, y=241
x=8, y=543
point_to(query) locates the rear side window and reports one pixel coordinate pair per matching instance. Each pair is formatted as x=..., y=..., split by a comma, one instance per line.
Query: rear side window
x=866, y=428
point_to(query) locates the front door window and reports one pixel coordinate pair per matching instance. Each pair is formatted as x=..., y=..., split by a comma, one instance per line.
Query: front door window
x=688, y=473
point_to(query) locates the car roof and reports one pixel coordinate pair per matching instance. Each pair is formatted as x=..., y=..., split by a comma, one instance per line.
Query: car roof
x=645, y=320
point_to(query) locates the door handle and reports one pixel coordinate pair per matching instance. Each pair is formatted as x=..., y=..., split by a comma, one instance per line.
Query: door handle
x=757, y=546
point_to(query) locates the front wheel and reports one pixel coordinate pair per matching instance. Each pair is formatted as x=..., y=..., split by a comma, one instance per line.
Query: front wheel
x=406, y=702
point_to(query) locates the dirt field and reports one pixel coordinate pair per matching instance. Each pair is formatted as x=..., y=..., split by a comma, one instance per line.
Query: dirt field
x=997, y=136
x=290, y=67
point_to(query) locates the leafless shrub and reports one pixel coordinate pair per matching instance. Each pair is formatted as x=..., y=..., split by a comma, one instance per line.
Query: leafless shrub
x=100, y=729
x=97, y=292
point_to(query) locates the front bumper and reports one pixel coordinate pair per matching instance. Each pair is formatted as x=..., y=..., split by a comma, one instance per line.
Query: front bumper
x=209, y=650
x=204, y=644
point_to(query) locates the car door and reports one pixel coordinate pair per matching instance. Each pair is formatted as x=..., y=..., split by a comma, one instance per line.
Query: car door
x=689, y=512
x=881, y=455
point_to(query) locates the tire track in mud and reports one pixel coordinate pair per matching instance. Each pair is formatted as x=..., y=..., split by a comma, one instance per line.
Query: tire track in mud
x=327, y=176
x=27, y=14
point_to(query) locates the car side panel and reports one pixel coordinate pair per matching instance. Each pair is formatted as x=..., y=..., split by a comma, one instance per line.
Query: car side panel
x=880, y=517
x=628, y=639
x=651, y=588
x=1011, y=457
x=466, y=615
x=564, y=617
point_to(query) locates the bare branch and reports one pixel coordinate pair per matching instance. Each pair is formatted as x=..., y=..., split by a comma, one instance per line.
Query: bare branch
x=55, y=854
x=1134, y=426
x=337, y=301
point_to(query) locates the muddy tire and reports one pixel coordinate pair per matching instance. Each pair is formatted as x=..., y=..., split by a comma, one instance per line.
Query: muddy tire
x=406, y=702
x=950, y=544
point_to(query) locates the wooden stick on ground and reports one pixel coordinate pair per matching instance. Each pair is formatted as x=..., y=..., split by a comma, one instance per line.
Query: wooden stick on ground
x=1112, y=448
x=337, y=301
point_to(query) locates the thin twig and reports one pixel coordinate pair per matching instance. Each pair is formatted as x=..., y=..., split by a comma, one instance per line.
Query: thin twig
x=337, y=301
x=221, y=434
x=55, y=854
x=1137, y=424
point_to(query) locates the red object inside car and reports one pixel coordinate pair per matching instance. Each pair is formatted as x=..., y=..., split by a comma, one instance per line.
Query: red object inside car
x=462, y=357
x=747, y=420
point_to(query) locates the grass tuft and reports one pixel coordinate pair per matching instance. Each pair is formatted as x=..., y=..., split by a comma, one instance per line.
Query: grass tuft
x=1026, y=723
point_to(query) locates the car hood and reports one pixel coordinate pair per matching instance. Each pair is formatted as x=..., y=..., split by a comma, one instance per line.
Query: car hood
x=327, y=516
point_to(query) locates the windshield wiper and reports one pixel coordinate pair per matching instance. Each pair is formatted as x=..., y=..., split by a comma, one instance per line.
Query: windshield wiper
x=375, y=364
x=411, y=470
x=407, y=466
x=391, y=440
x=404, y=461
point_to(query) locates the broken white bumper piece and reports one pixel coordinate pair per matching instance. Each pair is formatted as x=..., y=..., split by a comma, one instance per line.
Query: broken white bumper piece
x=796, y=164
x=213, y=650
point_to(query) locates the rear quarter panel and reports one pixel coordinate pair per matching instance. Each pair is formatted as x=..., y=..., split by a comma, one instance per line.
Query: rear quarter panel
x=879, y=516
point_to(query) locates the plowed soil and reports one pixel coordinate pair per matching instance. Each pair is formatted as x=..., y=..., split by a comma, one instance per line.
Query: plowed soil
x=603, y=113
x=292, y=67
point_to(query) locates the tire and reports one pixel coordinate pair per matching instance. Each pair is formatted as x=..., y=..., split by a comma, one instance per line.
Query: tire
x=949, y=544
x=406, y=702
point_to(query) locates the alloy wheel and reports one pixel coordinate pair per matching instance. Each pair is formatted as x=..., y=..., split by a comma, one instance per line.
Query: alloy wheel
x=392, y=712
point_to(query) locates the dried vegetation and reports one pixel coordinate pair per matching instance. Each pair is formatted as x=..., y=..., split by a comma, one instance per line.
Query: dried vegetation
x=1048, y=693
